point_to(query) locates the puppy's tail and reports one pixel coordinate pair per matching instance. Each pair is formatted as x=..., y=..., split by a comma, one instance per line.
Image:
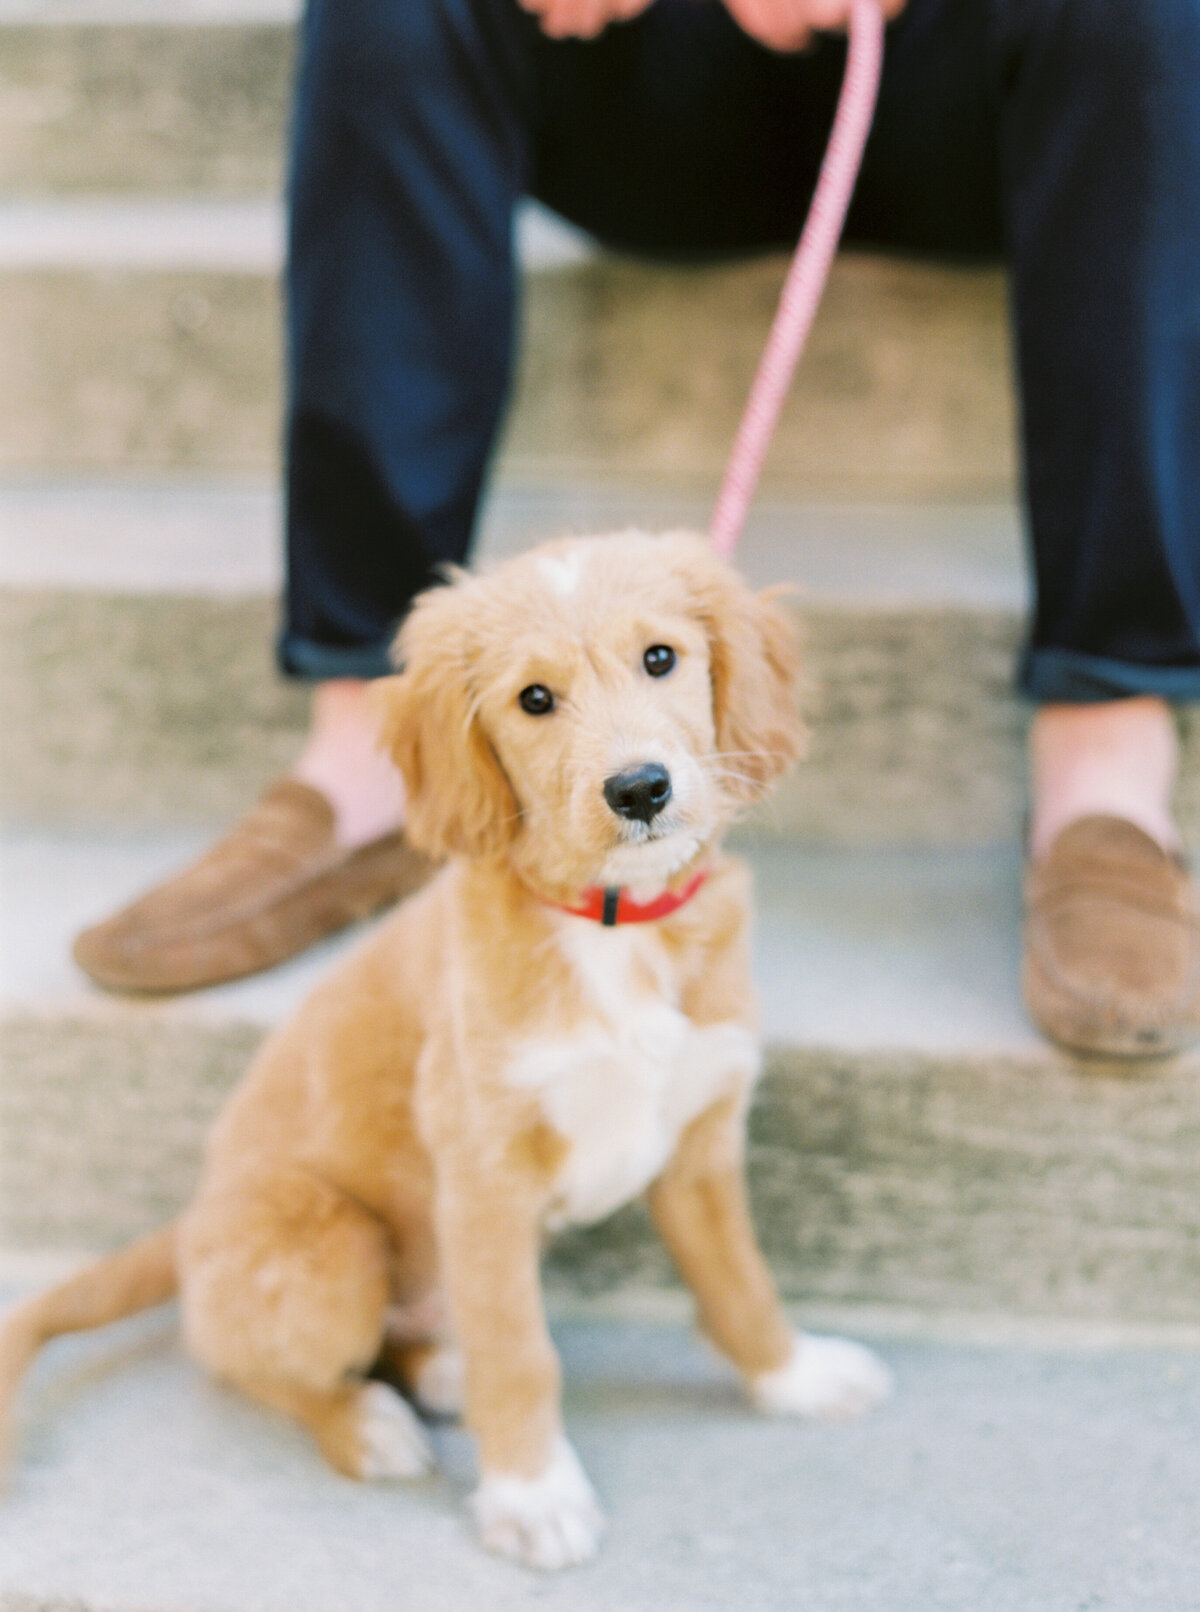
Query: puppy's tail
x=137, y=1278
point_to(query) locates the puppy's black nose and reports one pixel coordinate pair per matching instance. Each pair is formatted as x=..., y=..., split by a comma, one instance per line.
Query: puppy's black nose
x=639, y=792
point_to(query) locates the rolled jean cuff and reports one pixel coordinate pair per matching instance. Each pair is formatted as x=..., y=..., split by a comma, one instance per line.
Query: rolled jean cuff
x=301, y=657
x=1063, y=676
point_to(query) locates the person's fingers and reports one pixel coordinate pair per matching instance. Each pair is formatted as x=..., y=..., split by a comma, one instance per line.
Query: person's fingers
x=788, y=25
x=778, y=24
x=570, y=19
x=783, y=25
x=582, y=19
x=828, y=15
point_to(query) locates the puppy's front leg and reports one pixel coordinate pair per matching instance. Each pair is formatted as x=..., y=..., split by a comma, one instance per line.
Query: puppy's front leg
x=534, y=1502
x=699, y=1206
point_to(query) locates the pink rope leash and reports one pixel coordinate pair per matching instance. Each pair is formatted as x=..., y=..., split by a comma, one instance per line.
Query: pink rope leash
x=806, y=278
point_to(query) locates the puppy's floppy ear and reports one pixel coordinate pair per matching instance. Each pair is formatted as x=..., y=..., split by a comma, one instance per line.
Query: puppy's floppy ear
x=458, y=801
x=755, y=673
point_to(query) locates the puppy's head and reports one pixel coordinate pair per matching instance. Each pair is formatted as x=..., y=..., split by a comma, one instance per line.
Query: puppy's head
x=596, y=709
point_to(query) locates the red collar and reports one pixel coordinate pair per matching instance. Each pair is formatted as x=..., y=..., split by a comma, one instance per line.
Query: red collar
x=614, y=905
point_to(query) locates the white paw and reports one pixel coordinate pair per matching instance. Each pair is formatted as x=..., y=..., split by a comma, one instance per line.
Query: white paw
x=391, y=1439
x=551, y=1521
x=438, y=1382
x=829, y=1378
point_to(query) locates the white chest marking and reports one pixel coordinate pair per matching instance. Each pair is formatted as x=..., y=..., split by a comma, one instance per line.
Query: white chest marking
x=622, y=1088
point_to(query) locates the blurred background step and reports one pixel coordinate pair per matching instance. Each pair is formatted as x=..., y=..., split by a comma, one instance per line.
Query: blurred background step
x=108, y=110
x=914, y=1143
x=137, y=683
x=624, y=367
x=626, y=370
x=168, y=97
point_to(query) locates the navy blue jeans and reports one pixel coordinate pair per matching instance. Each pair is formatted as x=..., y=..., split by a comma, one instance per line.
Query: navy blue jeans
x=1062, y=136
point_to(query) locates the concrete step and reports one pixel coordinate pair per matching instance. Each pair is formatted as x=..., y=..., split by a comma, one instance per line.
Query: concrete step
x=144, y=336
x=1036, y=1477
x=172, y=96
x=123, y=121
x=166, y=595
x=914, y=1144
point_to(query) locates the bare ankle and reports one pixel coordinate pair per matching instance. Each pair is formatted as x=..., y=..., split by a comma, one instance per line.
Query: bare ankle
x=1116, y=759
x=341, y=759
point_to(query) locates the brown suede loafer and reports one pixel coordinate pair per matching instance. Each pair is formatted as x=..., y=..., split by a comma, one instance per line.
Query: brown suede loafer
x=1112, y=945
x=274, y=885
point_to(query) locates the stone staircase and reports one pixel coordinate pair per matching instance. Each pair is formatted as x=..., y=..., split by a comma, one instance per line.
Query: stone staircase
x=918, y=1156
x=139, y=512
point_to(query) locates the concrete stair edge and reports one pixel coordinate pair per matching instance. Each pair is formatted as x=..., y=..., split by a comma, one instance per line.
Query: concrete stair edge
x=89, y=232
x=218, y=536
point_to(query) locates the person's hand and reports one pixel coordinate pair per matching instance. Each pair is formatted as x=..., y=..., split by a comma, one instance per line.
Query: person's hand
x=581, y=19
x=790, y=24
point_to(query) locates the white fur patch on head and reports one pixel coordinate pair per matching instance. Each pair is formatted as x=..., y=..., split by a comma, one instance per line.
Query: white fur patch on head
x=551, y=1521
x=391, y=1439
x=563, y=571
x=830, y=1379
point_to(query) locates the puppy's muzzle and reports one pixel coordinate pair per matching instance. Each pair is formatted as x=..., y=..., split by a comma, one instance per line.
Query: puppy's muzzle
x=639, y=793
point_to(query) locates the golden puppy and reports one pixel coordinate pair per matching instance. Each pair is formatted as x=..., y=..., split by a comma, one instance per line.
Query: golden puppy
x=562, y=1020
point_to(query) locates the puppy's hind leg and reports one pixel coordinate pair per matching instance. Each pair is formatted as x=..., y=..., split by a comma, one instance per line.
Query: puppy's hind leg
x=429, y=1370
x=366, y=1431
x=420, y=1355
x=283, y=1291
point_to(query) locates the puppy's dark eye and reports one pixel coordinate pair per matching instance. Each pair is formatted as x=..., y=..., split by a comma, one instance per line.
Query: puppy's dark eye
x=659, y=659
x=536, y=699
